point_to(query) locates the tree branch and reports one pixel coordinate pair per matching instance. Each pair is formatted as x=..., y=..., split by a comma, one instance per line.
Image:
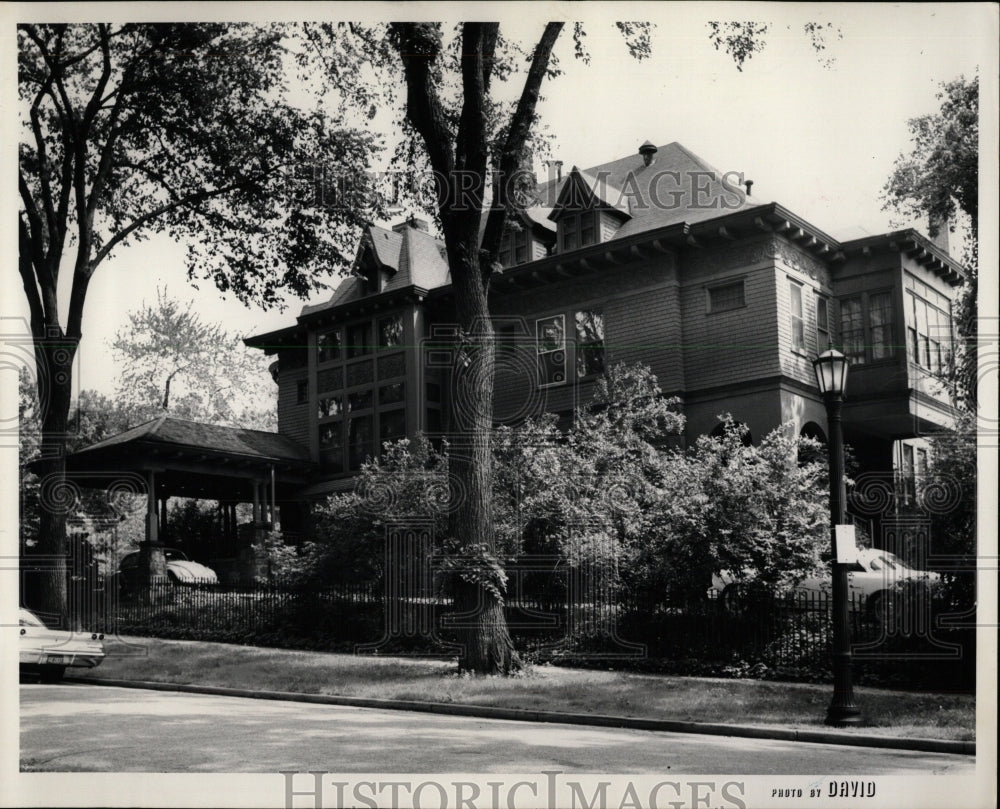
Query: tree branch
x=25, y=268
x=145, y=219
x=517, y=135
x=419, y=45
x=33, y=232
x=470, y=143
x=42, y=152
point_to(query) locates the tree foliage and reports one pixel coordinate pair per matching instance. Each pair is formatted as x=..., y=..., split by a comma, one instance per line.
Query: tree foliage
x=750, y=509
x=610, y=494
x=171, y=361
x=742, y=39
x=938, y=179
x=954, y=516
x=184, y=129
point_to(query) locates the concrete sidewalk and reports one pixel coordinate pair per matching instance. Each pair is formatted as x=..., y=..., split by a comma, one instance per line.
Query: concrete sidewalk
x=849, y=738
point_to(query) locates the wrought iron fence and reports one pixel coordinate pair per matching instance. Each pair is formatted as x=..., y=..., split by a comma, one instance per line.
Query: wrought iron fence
x=782, y=633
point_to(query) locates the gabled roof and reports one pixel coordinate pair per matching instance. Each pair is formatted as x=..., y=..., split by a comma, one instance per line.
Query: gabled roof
x=210, y=438
x=677, y=186
x=413, y=256
x=584, y=187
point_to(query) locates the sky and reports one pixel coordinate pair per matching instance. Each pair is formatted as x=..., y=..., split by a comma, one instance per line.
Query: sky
x=820, y=139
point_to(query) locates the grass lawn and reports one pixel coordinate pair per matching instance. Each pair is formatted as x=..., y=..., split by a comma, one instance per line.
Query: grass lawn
x=550, y=688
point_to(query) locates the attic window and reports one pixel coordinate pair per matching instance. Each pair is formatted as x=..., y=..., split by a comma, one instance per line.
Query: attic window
x=725, y=297
x=370, y=278
x=578, y=230
x=514, y=247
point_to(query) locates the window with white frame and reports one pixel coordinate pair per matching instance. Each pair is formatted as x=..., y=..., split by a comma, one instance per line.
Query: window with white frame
x=797, y=319
x=928, y=329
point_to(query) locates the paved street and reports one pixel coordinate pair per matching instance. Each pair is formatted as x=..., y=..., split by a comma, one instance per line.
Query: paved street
x=96, y=728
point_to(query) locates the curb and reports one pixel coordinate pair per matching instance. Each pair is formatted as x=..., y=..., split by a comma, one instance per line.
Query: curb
x=524, y=715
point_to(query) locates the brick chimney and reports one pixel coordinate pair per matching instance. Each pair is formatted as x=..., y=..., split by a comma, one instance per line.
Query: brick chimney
x=941, y=239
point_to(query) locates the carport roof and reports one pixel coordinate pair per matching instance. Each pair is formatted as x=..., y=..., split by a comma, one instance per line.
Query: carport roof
x=171, y=431
x=192, y=459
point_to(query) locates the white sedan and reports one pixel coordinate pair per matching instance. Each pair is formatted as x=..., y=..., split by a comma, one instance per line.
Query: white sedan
x=47, y=652
x=180, y=569
x=873, y=584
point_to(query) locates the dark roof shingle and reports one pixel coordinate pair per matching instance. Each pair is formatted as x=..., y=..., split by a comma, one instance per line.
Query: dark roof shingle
x=207, y=437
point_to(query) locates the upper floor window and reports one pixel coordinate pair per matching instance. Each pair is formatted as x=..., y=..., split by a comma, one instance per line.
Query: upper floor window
x=515, y=246
x=880, y=318
x=867, y=327
x=589, y=343
x=329, y=344
x=331, y=446
x=360, y=400
x=852, y=330
x=359, y=341
x=391, y=394
x=928, y=332
x=550, y=339
x=578, y=230
x=798, y=321
x=392, y=426
x=330, y=406
x=822, y=324
x=725, y=297
x=390, y=332
x=359, y=441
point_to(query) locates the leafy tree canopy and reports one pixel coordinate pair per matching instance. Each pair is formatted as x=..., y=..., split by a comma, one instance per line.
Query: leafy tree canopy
x=939, y=177
x=170, y=360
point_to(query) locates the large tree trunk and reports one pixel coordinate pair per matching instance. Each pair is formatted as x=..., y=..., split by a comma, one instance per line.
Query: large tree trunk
x=46, y=590
x=479, y=592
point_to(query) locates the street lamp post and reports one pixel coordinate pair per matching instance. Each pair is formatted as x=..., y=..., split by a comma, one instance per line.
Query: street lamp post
x=831, y=375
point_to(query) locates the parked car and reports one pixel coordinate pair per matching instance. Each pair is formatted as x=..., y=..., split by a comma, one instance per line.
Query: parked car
x=874, y=584
x=180, y=570
x=47, y=652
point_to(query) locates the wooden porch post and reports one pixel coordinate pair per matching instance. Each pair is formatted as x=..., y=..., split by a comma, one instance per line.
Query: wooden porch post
x=163, y=518
x=152, y=563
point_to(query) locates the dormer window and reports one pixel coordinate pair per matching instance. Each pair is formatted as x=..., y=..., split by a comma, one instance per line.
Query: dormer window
x=370, y=280
x=577, y=230
x=514, y=249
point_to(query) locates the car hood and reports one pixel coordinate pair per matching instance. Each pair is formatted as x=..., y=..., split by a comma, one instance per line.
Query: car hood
x=191, y=571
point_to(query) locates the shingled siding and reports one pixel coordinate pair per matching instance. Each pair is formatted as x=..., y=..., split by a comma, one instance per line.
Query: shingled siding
x=646, y=327
x=813, y=276
x=641, y=323
x=723, y=347
x=293, y=418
